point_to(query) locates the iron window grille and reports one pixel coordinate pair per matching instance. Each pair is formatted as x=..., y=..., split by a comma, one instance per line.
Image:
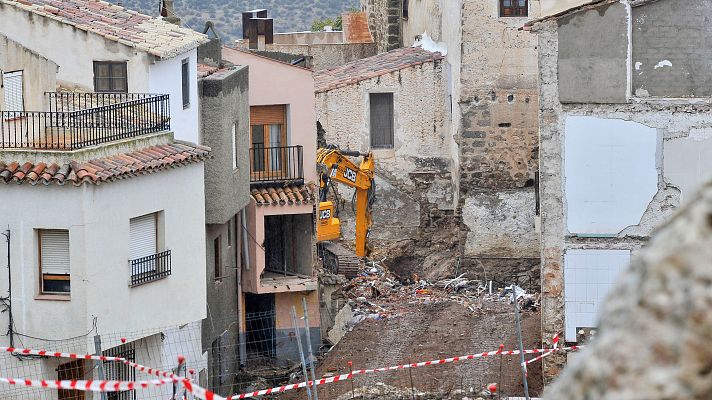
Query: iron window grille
x=117, y=371
x=150, y=268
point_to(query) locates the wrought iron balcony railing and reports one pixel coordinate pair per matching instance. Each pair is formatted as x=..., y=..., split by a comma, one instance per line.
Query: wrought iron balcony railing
x=79, y=120
x=150, y=268
x=273, y=164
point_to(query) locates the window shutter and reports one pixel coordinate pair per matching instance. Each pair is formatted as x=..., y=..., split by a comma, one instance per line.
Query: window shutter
x=381, y=120
x=54, y=252
x=185, y=82
x=142, y=232
x=265, y=115
x=12, y=81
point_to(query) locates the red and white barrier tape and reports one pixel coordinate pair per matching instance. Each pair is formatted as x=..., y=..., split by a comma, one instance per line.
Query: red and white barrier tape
x=88, y=385
x=205, y=394
x=395, y=367
x=548, y=353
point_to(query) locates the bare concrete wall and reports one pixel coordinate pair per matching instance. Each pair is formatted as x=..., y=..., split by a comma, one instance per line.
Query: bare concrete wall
x=225, y=111
x=672, y=52
x=415, y=174
x=39, y=73
x=592, y=55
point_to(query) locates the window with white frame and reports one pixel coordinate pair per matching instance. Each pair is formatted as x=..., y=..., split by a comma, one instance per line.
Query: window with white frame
x=143, y=236
x=54, y=261
x=147, y=260
x=12, y=88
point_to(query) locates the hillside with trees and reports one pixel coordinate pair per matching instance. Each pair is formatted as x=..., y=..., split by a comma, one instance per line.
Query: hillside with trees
x=289, y=15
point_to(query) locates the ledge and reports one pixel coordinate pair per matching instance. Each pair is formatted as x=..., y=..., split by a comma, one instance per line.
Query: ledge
x=53, y=297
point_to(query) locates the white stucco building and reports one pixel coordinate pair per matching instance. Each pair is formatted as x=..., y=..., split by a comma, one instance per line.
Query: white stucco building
x=101, y=47
x=103, y=208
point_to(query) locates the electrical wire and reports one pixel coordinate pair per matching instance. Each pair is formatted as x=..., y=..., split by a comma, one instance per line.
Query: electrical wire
x=93, y=328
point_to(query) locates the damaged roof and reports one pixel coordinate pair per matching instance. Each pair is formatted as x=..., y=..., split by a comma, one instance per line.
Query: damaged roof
x=283, y=195
x=371, y=67
x=116, y=23
x=586, y=5
x=106, y=169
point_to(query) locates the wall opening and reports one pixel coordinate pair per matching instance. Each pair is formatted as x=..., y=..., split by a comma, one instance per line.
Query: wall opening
x=260, y=327
x=288, y=244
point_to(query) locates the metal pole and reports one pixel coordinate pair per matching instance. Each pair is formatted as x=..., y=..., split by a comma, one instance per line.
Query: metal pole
x=309, y=346
x=410, y=373
x=521, y=344
x=99, y=364
x=301, y=353
x=11, y=323
x=351, y=373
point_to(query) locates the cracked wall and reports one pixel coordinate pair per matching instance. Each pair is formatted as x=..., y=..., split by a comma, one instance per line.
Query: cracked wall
x=413, y=180
x=678, y=155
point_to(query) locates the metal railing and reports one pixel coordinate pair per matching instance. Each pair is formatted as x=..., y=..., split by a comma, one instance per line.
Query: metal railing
x=150, y=268
x=270, y=164
x=70, y=125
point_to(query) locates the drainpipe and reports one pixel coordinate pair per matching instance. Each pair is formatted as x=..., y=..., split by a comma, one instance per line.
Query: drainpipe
x=244, y=240
x=11, y=324
x=245, y=253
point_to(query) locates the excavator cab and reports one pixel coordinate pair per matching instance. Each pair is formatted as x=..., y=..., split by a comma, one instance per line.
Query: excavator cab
x=329, y=225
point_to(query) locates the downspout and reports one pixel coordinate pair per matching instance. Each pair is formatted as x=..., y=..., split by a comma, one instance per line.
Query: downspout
x=245, y=253
x=11, y=324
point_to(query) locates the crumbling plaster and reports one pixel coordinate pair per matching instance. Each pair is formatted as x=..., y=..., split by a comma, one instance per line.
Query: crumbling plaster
x=674, y=120
x=421, y=145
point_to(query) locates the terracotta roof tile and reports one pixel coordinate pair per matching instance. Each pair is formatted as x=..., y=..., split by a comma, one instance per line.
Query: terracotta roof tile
x=145, y=33
x=371, y=67
x=284, y=195
x=107, y=169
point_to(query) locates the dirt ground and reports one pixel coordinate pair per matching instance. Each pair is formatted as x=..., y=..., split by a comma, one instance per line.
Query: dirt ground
x=423, y=331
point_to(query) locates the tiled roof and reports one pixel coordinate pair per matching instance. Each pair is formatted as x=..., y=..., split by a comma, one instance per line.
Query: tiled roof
x=371, y=67
x=107, y=169
x=283, y=195
x=117, y=23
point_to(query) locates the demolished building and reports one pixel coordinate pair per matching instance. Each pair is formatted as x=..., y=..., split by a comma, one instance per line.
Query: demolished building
x=626, y=136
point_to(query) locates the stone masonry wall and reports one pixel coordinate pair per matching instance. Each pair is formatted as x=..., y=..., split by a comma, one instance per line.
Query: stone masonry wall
x=329, y=55
x=414, y=185
x=498, y=150
x=384, y=20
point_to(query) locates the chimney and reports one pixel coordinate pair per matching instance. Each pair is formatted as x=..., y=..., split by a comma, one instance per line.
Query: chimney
x=168, y=13
x=257, y=28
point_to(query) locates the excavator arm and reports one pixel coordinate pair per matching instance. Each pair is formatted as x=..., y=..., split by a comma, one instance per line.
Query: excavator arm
x=338, y=167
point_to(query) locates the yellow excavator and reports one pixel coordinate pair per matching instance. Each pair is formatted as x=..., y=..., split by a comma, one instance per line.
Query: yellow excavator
x=334, y=165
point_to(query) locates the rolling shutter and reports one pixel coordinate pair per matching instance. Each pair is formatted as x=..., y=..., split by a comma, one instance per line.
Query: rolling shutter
x=12, y=83
x=54, y=252
x=265, y=115
x=142, y=236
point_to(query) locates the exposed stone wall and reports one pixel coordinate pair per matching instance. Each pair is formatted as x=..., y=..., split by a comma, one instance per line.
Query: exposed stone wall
x=676, y=163
x=414, y=184
x=498, y=135
x=384, y=21
x=659, y=313
x=324, y=56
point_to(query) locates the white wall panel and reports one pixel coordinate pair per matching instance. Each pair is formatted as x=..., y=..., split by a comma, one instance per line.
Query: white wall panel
x=610, y=171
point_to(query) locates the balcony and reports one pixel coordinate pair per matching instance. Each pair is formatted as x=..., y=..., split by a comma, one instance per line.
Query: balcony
x=276, y=164
x=150, y=268
x=80, y=120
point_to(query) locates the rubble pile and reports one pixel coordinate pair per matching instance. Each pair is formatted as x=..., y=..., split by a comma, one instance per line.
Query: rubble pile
x=376, y=293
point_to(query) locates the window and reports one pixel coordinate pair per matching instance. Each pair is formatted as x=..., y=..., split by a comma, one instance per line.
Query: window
x=268, y=135
x=234, y=146
x=185, y=83
x=54, y=261
x=217, y=254
x=513, y=8
x=148, y=263
x=405, y=9
x=110, y=76
x=116, y=371
x=12, y=82
x=381, y=120
x=73, y=370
